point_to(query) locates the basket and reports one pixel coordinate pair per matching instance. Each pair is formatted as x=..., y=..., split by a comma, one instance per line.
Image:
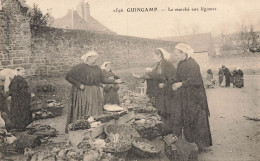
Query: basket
x=119, y=153
x=147, y=153
x=123, y=129
x=56, y=111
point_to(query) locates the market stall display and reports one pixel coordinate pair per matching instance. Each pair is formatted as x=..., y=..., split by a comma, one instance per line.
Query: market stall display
x=147, y=125
x=145, y=148
x=47, y=110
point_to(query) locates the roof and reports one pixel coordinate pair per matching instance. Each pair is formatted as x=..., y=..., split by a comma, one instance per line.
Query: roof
x=199, y=42
x=79, y=23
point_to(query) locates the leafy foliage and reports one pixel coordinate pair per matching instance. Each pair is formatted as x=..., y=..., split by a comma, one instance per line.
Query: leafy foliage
x=37, y=18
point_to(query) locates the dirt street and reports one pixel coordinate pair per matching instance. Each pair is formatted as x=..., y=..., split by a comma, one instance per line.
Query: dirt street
x=234, y=137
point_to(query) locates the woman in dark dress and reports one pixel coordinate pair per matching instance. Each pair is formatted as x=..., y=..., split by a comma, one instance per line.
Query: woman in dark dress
x=163, y=75
x=193, y=99
x=110, y=90
x=227, y=74
x=20, y=114
x=238, y=78
x=220, y=75
x=86, y=95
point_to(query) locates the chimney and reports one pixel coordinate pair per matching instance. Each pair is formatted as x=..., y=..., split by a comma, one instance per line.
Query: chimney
x=87, y=13
x=1, y=5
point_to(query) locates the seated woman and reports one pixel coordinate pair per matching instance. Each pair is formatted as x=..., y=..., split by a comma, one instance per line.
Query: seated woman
x=110, y=90
x=20, y=114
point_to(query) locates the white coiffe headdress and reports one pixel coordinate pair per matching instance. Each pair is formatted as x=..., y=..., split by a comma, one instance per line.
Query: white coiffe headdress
x=88, y=54
x=185, y=48
x=103, y=66
x=166, y=54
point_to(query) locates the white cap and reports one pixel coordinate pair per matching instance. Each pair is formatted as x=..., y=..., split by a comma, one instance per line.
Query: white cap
x=103, y=66
x=88, y=54
x=185, y=48
x=165, y=54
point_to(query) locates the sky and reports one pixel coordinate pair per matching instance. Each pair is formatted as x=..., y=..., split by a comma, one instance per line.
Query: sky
x=227, y=18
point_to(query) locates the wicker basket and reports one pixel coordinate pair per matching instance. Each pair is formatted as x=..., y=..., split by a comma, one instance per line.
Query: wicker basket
x=123, y=129
x=119, y=154
x=145, y=152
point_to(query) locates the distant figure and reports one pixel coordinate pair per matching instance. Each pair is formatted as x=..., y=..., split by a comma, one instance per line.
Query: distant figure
x=110, y=90
x=209, y=79
x=221, y=74
x=227, y=76
x=20, y=114
x=238, y=78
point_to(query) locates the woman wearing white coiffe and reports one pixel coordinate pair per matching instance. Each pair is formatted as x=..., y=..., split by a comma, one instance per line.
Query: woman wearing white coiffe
x=159, y=80
x=86, y=79
x=193, y=100
x=110, y=91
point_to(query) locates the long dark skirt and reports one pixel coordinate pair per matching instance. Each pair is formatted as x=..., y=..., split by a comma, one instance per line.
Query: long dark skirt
x=172, y=119
x=198, y=130
x=227, y=81
x=220, y=79
x=20, y=114
x=239, y=81
x=85, y=102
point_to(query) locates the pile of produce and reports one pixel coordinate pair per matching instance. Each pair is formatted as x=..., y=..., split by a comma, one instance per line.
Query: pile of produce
x=145, y=148
x=142, y=104
x=7, y=146
x=79, y=125
x=51, y=109
x=88, y=150
x=147, y=125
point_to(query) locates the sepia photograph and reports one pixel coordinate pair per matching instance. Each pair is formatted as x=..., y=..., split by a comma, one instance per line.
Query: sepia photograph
x=129, y=80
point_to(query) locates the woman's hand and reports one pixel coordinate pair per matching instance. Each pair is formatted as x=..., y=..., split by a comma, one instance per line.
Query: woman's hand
x=82, y=86
x=135, y=75
x=176, y=86
x=118, y=81
x=161, y=85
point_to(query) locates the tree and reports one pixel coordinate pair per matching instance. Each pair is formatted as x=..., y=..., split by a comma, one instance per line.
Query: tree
x=37, y=18
x=247, y=39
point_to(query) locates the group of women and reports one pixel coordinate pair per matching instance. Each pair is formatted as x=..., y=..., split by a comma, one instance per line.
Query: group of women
x=87, y=79
x=178, y=92
x=226, y=77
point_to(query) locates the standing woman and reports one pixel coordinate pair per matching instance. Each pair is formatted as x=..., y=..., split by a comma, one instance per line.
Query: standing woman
x=86, y=96
x=193, y=98
x=110, y=90
x=163, y=75
x=221, y=75
x=20, y=114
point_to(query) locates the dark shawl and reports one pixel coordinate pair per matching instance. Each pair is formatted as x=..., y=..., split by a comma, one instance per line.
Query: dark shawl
x=20, y=114
x=194, y=103
x=86, y=75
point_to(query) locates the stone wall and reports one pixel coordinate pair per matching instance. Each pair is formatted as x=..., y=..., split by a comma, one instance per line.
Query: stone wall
x=15, y=36
x=54, y=51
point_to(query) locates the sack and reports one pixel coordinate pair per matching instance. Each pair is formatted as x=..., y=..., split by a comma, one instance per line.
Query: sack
x=27, y=141
x=178, y=149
